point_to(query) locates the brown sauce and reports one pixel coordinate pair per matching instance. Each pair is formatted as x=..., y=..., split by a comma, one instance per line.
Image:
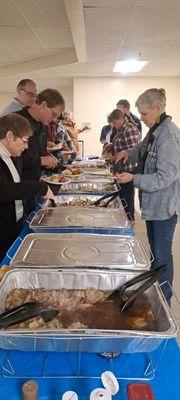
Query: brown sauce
x=84, y=309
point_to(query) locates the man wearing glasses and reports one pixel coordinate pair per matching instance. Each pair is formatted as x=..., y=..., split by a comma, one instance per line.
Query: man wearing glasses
x=25, y=97
x=48, y=106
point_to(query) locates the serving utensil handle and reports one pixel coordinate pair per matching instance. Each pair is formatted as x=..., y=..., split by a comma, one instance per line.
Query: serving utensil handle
x=154, y=277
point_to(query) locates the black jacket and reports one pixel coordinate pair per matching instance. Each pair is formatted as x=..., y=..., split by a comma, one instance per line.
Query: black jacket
x=37, y=146
x=11, y=191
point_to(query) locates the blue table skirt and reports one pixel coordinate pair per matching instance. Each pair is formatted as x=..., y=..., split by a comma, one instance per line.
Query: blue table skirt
x=165, y=385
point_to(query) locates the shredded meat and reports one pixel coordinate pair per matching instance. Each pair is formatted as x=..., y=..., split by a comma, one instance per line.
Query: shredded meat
x=83, y=309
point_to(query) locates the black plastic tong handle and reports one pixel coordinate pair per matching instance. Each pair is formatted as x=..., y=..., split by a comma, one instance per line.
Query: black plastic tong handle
x=25, y=311
x=149, y=277
x=112, y=195
x=140, y=278
x=155, y=275
x=20, y=313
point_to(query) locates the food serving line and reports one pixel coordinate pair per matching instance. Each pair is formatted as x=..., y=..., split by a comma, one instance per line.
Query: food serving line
x=79, y=247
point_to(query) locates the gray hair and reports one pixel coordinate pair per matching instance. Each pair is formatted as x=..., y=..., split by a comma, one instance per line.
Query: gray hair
x=152, y=97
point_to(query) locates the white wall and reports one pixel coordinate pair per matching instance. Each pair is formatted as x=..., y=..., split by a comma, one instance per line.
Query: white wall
x=94, y=98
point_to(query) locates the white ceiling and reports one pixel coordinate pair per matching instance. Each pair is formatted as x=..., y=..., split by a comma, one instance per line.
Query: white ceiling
x=52, y=41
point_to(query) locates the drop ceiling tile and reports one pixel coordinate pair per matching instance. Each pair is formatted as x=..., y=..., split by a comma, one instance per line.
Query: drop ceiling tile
x=159, y=68
x=7, y=57
x=107, y=3
x=143, y=51
x=121, y=3
x=33, y=54
x=18, y=37
x=55, y=36
x=9, y=15
x=44, y=12
x=159, y=3
x=106, y=25
x=102, y=51
x=150, y=26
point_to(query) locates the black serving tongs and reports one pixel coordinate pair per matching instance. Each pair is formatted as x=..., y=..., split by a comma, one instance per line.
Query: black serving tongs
x=25, y=311
x=126, y=301
x=111, y=196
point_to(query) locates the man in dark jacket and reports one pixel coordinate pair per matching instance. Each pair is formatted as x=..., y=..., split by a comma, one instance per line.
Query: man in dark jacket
x=48, y=106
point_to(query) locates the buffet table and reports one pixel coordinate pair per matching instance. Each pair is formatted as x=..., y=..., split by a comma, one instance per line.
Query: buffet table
x=165, y=384
x=15, y=369
x=57, y=372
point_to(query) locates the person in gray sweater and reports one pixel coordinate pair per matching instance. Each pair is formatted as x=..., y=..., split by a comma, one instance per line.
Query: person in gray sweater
x=157, y=178
x=26, y=93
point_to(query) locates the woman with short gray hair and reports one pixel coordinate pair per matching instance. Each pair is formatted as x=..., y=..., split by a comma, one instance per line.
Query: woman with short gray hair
x=157, y=178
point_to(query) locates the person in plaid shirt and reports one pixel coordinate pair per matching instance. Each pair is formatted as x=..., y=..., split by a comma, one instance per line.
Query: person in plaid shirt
x=127, y=137
x=58, y=134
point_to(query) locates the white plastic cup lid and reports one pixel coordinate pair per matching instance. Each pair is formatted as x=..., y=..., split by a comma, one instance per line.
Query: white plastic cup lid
x=110, y=382
x=100, y=394
x=70, y=395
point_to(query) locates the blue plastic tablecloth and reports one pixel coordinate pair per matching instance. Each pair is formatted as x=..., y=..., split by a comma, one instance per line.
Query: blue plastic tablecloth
x=165, y=385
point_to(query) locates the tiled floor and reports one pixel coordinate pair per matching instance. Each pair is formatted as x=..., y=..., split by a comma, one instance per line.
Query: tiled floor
x=140, y=231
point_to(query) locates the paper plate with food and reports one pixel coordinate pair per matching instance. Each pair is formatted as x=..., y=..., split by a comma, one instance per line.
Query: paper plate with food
x=73, y=172
x=56, y=179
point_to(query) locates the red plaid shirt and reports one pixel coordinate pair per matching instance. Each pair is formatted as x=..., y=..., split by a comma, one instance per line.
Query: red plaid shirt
x=126, y=138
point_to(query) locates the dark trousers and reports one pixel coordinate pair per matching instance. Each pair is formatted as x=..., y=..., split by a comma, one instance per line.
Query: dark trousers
x=127, y=193
x=160, y=236
x=8, y=237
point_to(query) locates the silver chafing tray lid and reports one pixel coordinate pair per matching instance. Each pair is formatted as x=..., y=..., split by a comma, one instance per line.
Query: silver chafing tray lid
x=77, y=250
x=82, y=217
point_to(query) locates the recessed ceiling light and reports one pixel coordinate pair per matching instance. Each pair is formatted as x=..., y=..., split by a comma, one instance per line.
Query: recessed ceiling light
x=128, y=66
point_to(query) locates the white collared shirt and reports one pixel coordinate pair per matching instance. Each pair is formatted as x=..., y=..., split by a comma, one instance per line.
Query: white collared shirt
x=6, y=157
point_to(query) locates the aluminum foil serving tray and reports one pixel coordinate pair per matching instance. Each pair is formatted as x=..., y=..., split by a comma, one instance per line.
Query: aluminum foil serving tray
x=78, y=250
x=94, y=186
x=69, y=197
x=88, y=219
x=91, y=340
x=95, y=177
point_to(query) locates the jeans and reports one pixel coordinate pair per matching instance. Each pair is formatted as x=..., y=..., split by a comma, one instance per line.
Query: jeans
x=127, y=193
x=160, y=236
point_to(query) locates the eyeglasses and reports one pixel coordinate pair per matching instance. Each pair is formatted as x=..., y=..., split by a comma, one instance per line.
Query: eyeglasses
x=54, y=114
x=30, y=94
x=25, y=141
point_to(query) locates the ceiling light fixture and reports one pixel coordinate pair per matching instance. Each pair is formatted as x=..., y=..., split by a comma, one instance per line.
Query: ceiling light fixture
x=128, y=66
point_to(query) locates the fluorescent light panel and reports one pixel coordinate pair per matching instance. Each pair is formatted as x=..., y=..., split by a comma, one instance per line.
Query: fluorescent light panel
x=128, y=66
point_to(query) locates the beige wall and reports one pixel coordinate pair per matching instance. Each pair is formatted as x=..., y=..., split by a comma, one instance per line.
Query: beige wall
x=95, y=97
x=67, y=92
x=5, y=98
